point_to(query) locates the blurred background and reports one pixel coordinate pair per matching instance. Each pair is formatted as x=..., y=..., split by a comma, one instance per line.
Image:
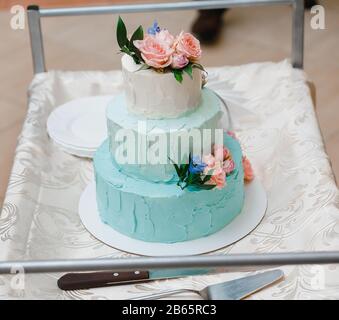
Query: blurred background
x=248, y=35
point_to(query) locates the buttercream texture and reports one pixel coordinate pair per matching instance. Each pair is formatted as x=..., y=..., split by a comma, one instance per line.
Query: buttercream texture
x=206, y=116
x=162, y=212
x=158, y=95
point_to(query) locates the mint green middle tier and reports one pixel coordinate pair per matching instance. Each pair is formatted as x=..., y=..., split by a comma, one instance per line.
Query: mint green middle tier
x=201, y=121
x=162, y=212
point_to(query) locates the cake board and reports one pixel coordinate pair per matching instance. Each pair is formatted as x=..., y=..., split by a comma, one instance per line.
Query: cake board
x=254, y=209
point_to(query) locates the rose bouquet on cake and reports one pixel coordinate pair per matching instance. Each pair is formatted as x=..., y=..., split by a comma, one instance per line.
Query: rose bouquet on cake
x=160, y=50
x=210, y=170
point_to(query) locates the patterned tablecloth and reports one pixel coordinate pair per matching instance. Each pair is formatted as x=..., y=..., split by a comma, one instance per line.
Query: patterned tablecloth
x=275, y=121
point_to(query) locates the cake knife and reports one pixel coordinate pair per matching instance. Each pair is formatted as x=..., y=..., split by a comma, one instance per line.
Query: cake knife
x=237, y=289
x=87, y=280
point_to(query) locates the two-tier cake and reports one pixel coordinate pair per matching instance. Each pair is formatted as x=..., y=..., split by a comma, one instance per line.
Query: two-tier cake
x=167, y=172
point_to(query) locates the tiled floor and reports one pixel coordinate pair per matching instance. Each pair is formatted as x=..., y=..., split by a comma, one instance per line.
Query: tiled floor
x=250, y=34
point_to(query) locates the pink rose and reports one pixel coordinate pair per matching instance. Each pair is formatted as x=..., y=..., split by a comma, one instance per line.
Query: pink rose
x=179, y=61
x=188, y=45
x=164, y=36
x=218, y=178
x=215, y=169
x=248, y=171
x=228, y=166
x=209, y=160
x=221, y=153
x=156, y=53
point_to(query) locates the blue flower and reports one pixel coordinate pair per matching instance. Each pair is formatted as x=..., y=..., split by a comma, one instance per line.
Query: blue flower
x=196, y=165
x=154, y=29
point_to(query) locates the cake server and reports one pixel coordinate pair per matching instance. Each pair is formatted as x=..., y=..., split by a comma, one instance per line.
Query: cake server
x=230, y=290
x=87, y=280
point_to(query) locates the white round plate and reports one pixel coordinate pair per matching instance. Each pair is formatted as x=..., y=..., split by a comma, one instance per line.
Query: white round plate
x=253, y=211
x=83, y=153
x=79, y=125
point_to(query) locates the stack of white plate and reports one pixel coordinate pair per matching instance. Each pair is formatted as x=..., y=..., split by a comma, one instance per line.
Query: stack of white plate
x=79, y=126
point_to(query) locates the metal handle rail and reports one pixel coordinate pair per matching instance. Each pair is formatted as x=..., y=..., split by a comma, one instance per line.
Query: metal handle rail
x=191, y=262
x=35, y=13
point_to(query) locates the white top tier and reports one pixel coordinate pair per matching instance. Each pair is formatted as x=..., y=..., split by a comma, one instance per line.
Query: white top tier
x=157, y=95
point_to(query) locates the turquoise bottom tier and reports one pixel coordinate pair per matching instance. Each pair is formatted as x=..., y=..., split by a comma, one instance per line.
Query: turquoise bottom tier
x=162, y=212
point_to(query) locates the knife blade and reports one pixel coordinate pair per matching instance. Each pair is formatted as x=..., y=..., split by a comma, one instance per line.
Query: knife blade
x=243, y=287
x=88, y=280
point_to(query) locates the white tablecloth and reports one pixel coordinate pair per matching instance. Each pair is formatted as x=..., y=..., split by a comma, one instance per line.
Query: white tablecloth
x=276, y=123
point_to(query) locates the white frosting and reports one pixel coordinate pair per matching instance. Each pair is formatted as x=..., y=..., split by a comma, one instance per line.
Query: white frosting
x=157, y=95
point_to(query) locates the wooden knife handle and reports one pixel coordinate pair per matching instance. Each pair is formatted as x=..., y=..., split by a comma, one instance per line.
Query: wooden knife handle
x=87, y=280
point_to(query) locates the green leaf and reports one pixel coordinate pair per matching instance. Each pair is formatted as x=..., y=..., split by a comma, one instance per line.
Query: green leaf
x=130, y=53
x=180, y=170
x=138, y=34
x=135, y=58
x=184, y=187
x=189, y=70
x=125, y=50
x=194, y=179
x=183, y=170
x=177, y=169
x=121, y=33
x=207, y=186
x=177, y=74
x=206, y=178
x=189, y=179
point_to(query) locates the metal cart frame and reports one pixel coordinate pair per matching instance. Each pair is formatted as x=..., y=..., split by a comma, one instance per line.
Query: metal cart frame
x=35, y=14
x=145, y=263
